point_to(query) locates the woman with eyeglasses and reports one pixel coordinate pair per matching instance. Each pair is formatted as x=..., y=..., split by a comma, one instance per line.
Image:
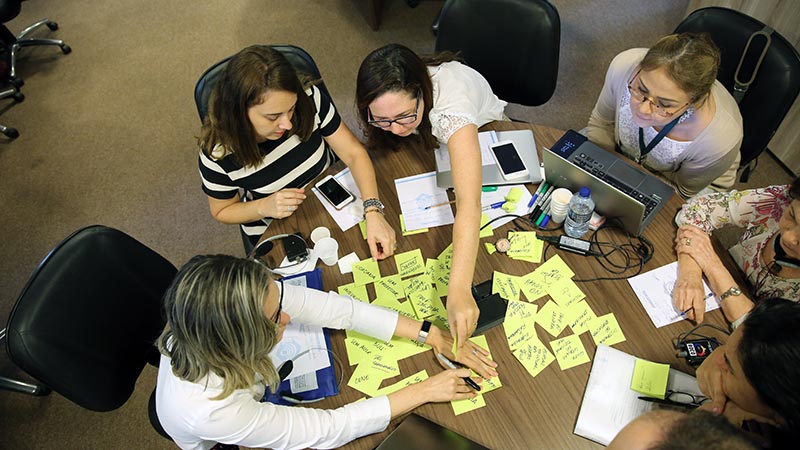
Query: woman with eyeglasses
x=663, y=108
x=768, y=251
x=269, y=132
x=226, y=314
x=434, y=101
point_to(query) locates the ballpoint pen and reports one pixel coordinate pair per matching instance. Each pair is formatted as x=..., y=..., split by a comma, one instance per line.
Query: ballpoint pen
x=536, y=195
x=683, y=313
x=450, y=365
x=440, y=204
x=492, y=206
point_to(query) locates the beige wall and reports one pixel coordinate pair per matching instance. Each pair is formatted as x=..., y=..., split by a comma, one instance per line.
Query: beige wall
x=784, y=17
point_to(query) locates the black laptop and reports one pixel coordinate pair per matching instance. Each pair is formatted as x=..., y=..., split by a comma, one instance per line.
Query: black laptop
x=419, y=433
x=620, y=190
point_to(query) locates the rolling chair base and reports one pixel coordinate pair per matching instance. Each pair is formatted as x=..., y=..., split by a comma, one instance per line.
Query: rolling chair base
x=18, y=96
x=23, y=41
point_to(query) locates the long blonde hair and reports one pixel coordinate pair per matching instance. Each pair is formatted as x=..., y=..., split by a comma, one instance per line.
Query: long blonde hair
x=216, y=322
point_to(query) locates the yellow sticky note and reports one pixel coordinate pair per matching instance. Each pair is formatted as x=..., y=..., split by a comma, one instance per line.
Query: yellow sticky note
x=363, y=380
x=490, y=248
x=468, y=404
x=423, y=302
x=523, y=311
x=410, y=263
x=355, y=291
x=552, y=318
x=554, y=270
x=514, y=195
x=446, y=257
x=650, y=378
x=505, y=285
x=605, y=330
x=365, y=272
x=488, y=231
x=381, y=367
x=494, y=382
x=519, y=323
x=418, y=377
x=532, y=286
x=534, y=356
x=433, y=267
x=405, y=232
x=403, y=308
x=390, y=286
x=416, y=284
x=509, y=207
x=578, y=315
x=358, y=348
x=525, y=245
x=569, y=352
x=442, y=282
x=565, y=293
x=363, y=226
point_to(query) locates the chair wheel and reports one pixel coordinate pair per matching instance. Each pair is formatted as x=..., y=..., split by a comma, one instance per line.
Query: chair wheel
x=12, y=133
x=18, y=97
x=65, y=49
x=16, y=82
x=52, y=25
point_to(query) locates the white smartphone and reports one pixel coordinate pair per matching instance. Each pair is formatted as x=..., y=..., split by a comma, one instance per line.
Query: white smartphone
x=334, y=192
x=508, y=160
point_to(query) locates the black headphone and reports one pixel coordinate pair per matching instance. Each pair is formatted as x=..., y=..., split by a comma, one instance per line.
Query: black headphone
x=781, y=258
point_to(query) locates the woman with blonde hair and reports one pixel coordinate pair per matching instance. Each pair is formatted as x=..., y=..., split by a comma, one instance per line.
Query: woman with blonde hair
x=226, y=314
x=663, y=108
x=269, y=133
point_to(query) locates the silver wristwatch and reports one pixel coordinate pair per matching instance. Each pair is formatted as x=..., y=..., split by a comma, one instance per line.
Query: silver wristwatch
x=732, y=291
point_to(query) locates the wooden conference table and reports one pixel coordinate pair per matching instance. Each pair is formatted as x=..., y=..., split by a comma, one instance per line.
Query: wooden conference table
x=527, y=412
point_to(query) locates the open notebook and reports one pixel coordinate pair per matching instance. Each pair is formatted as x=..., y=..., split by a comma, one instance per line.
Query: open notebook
x=609, y=403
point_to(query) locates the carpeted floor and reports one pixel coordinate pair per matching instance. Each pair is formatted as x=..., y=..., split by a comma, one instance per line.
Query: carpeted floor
x=108, y=136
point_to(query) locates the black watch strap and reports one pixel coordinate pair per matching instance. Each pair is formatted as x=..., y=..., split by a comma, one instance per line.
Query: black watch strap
x=423, y=332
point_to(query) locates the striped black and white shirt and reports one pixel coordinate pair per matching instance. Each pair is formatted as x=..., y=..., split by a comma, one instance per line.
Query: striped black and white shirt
x=288, y=163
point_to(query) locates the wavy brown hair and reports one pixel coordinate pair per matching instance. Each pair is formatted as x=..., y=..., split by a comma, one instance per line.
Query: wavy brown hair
x=396, y=68
x=249, y=74
x=216, y=323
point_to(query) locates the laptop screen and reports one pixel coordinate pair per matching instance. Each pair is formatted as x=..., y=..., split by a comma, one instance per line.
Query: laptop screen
x=419, y=433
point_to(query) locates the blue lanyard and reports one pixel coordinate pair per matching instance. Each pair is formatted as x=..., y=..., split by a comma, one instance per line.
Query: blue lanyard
x=645, y=149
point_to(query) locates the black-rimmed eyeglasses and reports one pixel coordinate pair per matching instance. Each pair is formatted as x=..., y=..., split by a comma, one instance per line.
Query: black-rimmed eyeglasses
x=678, y=398
x=402, y=120
x=277, y=318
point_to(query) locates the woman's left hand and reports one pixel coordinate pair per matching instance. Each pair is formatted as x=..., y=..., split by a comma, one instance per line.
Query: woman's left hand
x=694, y=242
x=470, y=355
x=380, y=236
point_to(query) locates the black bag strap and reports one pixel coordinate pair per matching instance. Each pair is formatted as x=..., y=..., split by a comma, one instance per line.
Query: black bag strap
x=740, y=87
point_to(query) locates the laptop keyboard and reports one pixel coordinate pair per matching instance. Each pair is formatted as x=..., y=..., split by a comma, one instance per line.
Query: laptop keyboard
x=595, y=168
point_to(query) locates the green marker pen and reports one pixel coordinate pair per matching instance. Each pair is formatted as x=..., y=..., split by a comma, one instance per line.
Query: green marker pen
x=489, y=188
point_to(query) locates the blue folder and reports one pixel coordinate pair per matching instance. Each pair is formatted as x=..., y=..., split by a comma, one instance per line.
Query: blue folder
x=326, y=378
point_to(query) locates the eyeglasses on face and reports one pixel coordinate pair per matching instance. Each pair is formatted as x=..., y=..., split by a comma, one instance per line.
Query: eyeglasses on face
x=402, y=120
x=639, y=95
x=277, y=318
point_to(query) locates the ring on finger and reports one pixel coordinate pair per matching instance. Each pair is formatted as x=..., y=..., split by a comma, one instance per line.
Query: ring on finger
x=687, y=242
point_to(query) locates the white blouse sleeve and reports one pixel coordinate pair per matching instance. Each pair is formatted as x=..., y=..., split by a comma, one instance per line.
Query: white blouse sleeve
x=332, y=310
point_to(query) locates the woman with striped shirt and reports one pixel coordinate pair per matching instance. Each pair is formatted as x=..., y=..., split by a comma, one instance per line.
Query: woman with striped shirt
x=269, y=134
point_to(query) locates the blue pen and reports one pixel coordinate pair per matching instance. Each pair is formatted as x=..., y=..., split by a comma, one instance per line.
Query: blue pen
x=492, y=206
x=536, y=195
x=683, y=313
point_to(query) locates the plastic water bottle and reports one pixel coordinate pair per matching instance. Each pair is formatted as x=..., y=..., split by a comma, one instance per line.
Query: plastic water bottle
x=580, y=211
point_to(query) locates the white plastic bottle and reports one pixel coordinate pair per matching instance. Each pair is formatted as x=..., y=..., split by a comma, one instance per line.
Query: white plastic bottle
x=580, y=211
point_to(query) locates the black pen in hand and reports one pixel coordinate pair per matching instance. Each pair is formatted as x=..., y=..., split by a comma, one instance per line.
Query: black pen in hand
x=450, y=365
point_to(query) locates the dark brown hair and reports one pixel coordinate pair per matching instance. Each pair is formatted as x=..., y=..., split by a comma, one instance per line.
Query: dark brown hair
x=794, y=190
x=396, y=68
x=690, y=59
x=249, y=74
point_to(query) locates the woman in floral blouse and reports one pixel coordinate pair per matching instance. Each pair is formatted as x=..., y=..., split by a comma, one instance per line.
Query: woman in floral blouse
x=771, y=218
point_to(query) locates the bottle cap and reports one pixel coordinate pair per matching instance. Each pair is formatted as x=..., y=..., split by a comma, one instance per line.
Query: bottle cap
x=585, y=192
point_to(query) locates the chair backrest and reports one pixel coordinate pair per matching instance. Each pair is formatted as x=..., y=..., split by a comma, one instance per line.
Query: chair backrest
x=85, y=323
x=297, y=57
x=777, y=83
x=514, y=44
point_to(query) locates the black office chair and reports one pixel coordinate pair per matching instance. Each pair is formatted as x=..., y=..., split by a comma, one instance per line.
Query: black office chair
x=13, y=92
x=85, y=323
x=776, y=84
x=298, y=58
x=514, y=44
x=10, y=9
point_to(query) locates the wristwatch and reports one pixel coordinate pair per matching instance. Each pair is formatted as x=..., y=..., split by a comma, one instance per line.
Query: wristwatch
x=373, y=203
x=732, y=291
x=423, y=332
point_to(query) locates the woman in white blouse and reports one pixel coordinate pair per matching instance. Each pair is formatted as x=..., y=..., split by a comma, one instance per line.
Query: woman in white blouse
x=225, y=315
x=438, y=101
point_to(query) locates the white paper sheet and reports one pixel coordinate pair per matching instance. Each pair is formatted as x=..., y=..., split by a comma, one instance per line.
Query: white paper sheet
x=654, y=289
x=609, y=403
x=297, y=338
x=351, y=214
x=488, y=198
x=418, y=192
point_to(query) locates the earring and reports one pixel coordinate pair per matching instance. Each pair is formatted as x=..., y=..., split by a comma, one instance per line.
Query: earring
x=686, y=114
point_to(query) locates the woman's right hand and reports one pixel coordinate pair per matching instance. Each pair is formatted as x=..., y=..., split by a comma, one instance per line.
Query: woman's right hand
x=688, y=293
x=281, y=204
x=448, y=385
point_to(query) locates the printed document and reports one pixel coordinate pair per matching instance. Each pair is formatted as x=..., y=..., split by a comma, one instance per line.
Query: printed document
x=418, y=192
